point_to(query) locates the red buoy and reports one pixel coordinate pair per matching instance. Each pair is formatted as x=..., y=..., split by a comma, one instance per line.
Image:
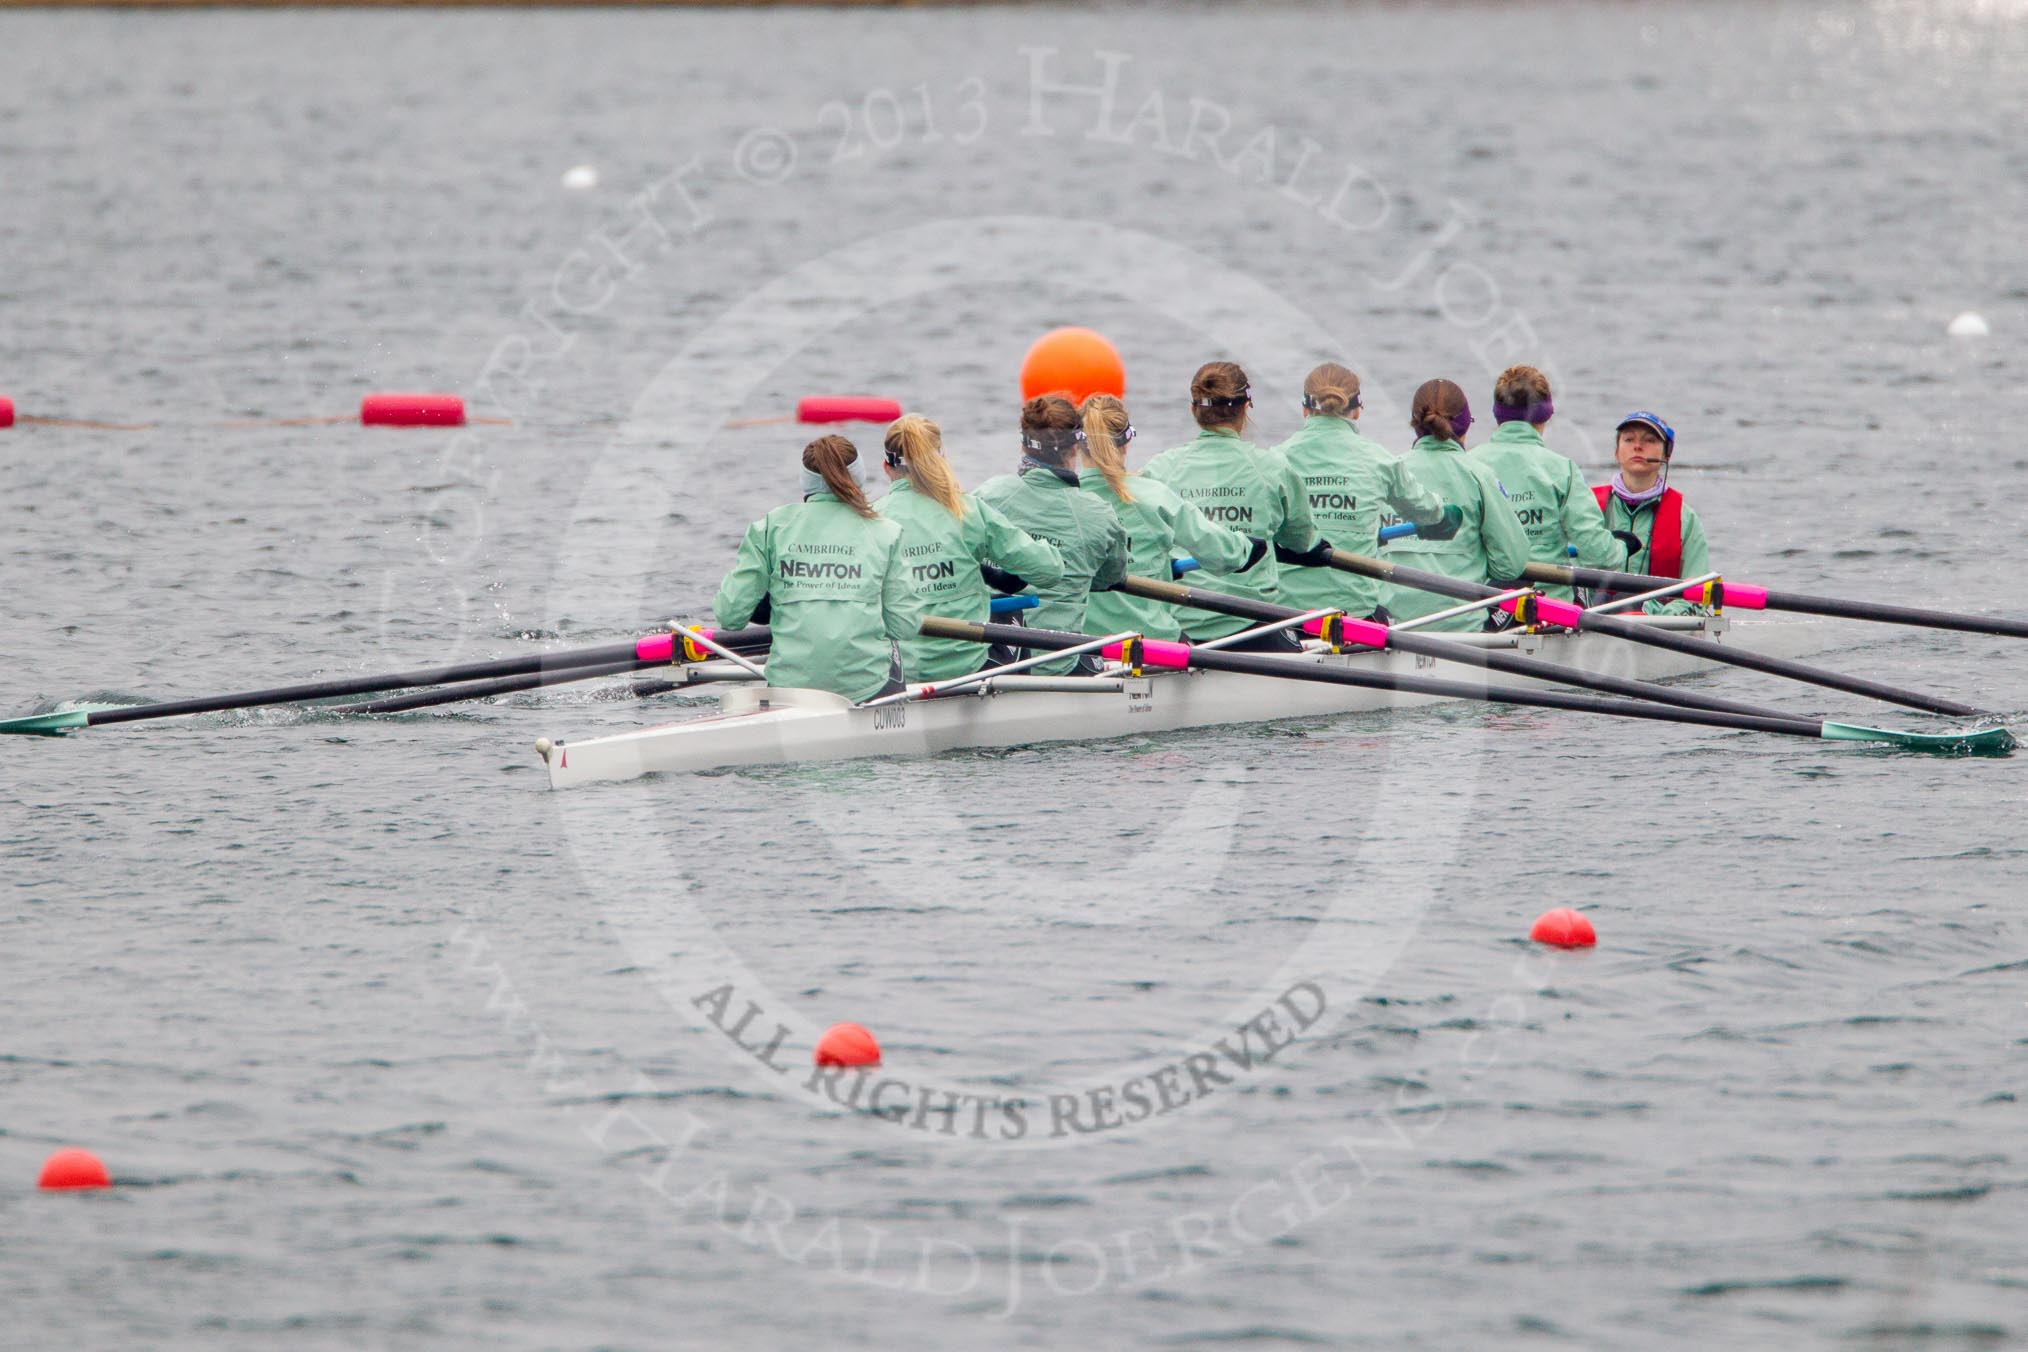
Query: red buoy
x=6, y=411
x=830, y=408
x=847, y=1044
x=71, y=1169
x=1563, y=928
x=1073, y=361
x=412, y=410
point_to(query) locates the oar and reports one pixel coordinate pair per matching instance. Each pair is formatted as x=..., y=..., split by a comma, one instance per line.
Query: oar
x=1366, y=634
x=1139, y=653
x=505, y=685
x=1546, y=611
x=649, y=651
x=1761, y=598
x=509, y=685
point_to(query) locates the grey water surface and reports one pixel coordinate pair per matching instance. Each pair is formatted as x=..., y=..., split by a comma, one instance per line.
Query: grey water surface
x=389, y=1046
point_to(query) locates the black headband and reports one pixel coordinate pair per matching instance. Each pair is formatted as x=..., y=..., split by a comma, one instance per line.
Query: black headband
x=1244, y=397
x=1051, y=440
x=1310, y=403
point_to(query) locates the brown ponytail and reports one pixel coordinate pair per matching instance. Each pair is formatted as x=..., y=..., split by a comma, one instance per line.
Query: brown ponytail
x=1218, y=395
x=831, y=456
x=916, y=444
x=1331, y=389
x=1048, y=425
x=1436, y=403
x=1105, y=422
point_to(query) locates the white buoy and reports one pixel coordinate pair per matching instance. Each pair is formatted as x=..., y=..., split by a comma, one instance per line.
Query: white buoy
x=581, y=178
x=1969, y=325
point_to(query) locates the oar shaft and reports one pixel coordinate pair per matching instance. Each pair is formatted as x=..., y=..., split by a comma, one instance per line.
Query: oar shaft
x=1797, y=602
x=1773, y=666
x=505, y=685
x=1450, y=650
x=532, y=663
x=1288, y=668
x=1437, y=583
x=1655, y=638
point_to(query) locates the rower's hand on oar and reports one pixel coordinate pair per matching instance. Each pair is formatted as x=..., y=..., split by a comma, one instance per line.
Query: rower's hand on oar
x=1447, y=527
x=1633, y=542
x=1002, y=581
x=1316, y=556
x=1259, y=552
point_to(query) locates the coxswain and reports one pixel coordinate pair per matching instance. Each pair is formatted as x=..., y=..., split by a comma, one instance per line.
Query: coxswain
x=1247, y=488
x=1660, y=530
x=1546, y=490
x=1347, y=479
x=1489, y=543
x=1160, y=526
x=829, y=574
x=1045, y=498
x=946, y=536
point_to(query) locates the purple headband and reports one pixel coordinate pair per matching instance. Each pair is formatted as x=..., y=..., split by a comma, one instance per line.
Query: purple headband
x=1528, y=413
x=1461, y=423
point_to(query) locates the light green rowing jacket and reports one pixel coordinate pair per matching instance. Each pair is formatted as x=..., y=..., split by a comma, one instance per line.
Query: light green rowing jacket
x=1245, y=488
x=1160, y=526
x=1548, y=494
x=1641, y=522
x=837, y=589
x=1346, y=478
x=1086, y=534
x=942, y=554
x=1490, y=544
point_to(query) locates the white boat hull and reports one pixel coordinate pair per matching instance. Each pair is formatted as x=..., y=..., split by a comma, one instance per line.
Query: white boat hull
x=761, y=725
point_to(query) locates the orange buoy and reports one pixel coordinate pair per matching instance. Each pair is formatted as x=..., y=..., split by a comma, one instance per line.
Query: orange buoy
x=830, y=408
x=412, y=410
x=71, y=1169
x=847, y=1044
x=1563, y=928
x=6, y=411
x=1073, y=361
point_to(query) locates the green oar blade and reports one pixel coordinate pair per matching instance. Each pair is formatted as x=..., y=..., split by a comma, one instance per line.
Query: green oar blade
x=1964, y=742
x=53, y=725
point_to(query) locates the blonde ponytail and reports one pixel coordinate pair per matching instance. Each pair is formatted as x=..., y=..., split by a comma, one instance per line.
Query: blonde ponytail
x=1105, y=422
x=832, y=457
x=916, y=444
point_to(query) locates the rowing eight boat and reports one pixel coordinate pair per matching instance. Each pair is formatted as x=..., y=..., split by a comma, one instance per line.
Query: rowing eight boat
x=763, y=725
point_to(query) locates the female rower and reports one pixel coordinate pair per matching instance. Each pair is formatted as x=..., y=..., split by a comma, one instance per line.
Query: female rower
x=1043, y=499
x=1347, y=478
x=833, y=577
x=1159, y=525
x=946, y=534
x=1660, y=530
x=1489, y=543
x=1546, y=490
x=1245, y=487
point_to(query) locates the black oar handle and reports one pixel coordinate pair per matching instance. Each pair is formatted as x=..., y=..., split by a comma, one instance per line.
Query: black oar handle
x=1288, y=668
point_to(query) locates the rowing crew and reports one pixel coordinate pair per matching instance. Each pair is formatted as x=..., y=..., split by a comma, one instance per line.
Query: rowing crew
x=845, y=583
